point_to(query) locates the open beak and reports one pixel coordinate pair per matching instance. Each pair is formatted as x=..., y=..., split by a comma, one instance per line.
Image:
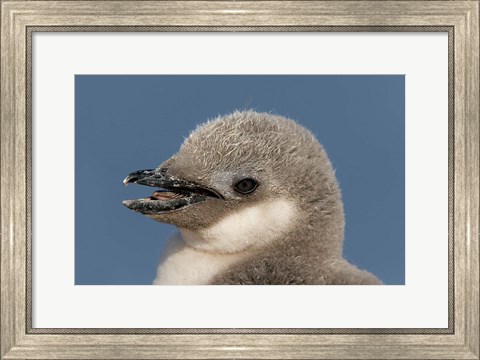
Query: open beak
x=172, y=193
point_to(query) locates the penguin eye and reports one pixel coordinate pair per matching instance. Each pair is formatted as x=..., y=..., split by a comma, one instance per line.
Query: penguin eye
x=246, y=186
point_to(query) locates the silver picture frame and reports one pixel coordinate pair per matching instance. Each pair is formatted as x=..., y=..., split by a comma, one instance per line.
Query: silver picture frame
x=21, y=19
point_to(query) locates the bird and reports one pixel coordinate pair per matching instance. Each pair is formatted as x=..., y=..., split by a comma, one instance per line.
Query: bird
x=256, y=202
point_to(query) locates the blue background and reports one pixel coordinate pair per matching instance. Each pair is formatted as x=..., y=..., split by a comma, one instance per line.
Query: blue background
x=125, y=123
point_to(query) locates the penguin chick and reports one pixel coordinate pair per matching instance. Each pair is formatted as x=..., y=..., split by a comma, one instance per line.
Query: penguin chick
x=256, y=201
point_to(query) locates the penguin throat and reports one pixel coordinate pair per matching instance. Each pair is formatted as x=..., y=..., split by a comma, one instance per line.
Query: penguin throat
x=252, y=227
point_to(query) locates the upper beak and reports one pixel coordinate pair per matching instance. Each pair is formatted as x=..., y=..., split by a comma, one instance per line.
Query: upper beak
x=159, y=178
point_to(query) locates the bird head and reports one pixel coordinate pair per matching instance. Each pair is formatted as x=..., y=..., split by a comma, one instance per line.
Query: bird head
x=242, y=180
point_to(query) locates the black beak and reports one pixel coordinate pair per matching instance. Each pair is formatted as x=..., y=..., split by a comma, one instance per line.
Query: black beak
x=178, y=193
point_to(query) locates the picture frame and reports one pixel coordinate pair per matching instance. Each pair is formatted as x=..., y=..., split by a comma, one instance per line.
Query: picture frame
x=20, y=19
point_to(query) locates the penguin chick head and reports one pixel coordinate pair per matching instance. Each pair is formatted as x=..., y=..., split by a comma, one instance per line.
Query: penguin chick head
x=242, y=181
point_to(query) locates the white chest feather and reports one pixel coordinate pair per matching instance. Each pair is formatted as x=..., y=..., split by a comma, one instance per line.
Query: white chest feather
x=184, y=265
x=252, y=227
x=196, y=257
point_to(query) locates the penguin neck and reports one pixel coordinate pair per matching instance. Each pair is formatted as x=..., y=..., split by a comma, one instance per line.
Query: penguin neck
x=325, y=223
x=312, y=226
x=248, y=229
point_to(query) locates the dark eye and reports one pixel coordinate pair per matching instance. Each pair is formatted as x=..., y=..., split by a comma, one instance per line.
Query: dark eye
x=246, y=186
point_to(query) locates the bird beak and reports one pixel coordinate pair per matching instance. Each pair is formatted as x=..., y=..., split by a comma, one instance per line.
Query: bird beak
x=173, y=193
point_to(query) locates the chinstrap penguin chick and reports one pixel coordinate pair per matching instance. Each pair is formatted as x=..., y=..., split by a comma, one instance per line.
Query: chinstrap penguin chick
x=256, y=201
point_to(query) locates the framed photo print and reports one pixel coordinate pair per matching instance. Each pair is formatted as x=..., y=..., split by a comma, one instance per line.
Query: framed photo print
x=253, y=179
